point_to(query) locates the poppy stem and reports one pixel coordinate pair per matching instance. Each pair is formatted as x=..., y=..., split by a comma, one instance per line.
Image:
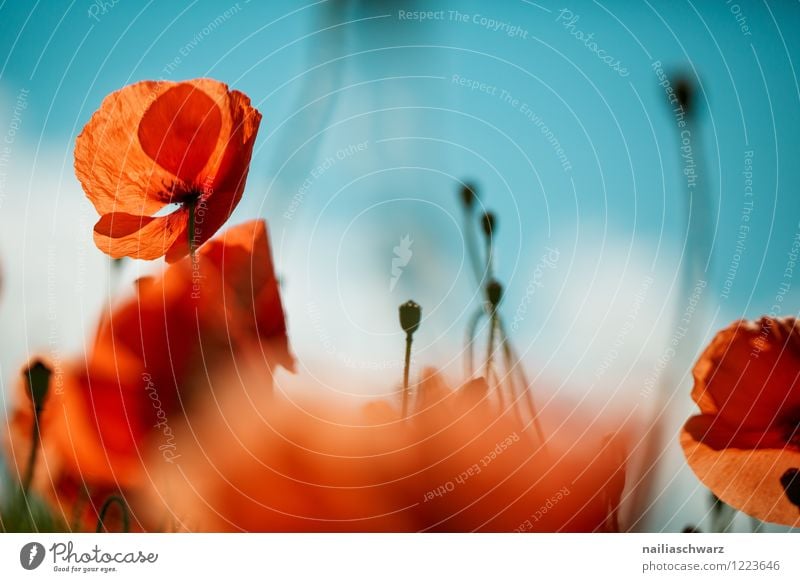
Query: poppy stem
x=410, y=315
x=469, y=346
x=472, y=250
x=469, y=195
x=489, y=370
x=515, y=365
x=192, y=204
x=494, y=292
x=406, y=370
x=77, y=508
x=111, y=500
x=36, y=436
x=37, y=376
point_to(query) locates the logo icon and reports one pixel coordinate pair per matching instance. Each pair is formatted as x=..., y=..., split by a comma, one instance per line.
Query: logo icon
x=402, y=255
x=31, y=555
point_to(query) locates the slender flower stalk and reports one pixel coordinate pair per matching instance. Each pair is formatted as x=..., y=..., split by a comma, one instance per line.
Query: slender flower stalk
x=192, y=207
x=489, y=225
x=695, y=267
x=112, y=500
x=472, y=330
x=514, y=365
x=469, y=194
x=410, y=315
x=38, y=379
x=483, y=268
x=494, y=294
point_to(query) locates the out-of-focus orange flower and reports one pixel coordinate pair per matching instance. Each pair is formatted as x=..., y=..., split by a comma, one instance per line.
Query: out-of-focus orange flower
x=146, y=364
x=272, y=462
x=156, y=143
x=745, y=446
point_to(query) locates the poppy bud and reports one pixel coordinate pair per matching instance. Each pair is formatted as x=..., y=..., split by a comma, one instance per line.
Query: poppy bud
x=494, y=293
x=410, y=314
x=684, y=93
x=489, y=223
x=38, y=378
x=469, y=193
x=790, y=481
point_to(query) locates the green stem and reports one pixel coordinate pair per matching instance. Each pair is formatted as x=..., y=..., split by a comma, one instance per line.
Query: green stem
x=192, y=206
x=111, y=500
x=406, y=369
x=489, y=258
x=490, y=356
x=472, y=327
x=33, y=454
x=472, y=250
x=526, y=387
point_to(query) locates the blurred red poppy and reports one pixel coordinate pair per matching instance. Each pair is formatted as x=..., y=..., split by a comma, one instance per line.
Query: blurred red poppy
x=745, y=446
x=142, y=373
x=156, y=143
x=259, y=462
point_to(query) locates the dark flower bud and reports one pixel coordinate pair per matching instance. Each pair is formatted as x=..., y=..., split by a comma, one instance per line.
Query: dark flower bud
x=489, y=223
x=494, y=292
x=469, y=193
x=790, y=481
x=684, y=93
x=37, y=376
x=410, y=314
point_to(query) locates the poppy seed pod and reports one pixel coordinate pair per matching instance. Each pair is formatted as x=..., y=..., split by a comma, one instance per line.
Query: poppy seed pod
x=38, y=377
x=469, y=193
x=494, y=292
x=489, y=223
x=410, y=314
x=684, y=92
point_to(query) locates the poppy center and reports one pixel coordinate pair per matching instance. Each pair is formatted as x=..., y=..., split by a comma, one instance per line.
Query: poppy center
x=190, y=197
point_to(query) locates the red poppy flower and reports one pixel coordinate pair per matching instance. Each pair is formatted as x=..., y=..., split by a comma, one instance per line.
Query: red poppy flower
x=254, y=461
x=145, y=369
x=156, y=143
x=745, y=446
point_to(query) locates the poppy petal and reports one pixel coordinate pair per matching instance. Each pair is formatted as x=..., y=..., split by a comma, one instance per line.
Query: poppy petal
x=146, y=237
x=750, y=373
x=155, y=143
x=748, y=479
x=116, y=174
x=180, y=130
x=243, y=257
x=224, y=181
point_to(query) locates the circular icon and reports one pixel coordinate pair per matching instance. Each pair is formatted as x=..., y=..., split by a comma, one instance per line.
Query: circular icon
x=31, y=555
